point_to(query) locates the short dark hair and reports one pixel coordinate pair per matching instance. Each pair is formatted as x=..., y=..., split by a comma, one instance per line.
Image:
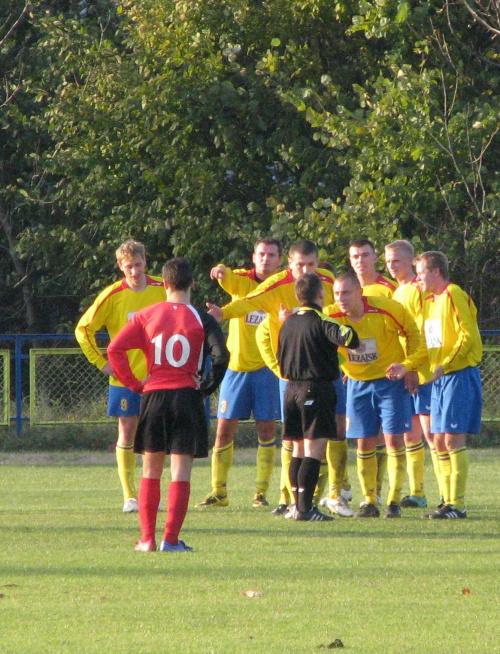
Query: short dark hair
x=307, y=288
x=326, y=265
x=178, y=274
x=269, y=240
x=304, y=247
x=360, y=243
x=434, y=259
x=348, y=277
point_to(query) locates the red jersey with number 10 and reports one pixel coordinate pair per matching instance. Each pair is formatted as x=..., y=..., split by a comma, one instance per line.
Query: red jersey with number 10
x=171, y=335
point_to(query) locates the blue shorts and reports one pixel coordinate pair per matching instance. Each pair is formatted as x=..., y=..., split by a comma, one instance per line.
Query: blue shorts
x=245, y=393
x=421, y=400
x=456, y=403
x=123, y=402
x=340, y=389
x=375, y=404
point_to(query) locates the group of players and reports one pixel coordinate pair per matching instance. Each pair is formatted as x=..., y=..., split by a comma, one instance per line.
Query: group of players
x=411, y=373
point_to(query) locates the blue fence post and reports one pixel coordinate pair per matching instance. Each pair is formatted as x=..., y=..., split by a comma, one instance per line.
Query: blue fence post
x=19, y=383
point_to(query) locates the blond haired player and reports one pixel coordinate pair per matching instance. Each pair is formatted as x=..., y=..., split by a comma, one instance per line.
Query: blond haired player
x=399, y=261
x=455, y=351
x=249, y=387
x=112, y=309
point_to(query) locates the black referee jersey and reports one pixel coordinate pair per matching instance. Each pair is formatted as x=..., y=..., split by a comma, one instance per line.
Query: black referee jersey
x=307, y=345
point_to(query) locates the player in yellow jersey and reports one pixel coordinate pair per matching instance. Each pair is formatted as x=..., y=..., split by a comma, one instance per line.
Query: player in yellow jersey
x=269, y=356
x=274, y=296
x=363, y=259
x=334, y=476
x=399, y=261
x=455, y=351
x=249, y=387
x=380, y=374
x=112, y=309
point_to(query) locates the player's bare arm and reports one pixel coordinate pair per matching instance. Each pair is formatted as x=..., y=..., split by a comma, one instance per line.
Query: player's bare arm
x=215, y=311
x=438, y=373
x=107, y=370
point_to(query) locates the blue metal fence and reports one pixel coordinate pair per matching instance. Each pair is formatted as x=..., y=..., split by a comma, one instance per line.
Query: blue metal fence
x=20, y=353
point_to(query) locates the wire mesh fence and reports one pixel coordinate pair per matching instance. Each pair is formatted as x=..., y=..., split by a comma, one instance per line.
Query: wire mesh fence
x=490, y=374
x=64, y=388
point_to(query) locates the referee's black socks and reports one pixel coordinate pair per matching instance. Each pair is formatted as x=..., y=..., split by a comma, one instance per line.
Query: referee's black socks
x=293, y=475
x=307, y=479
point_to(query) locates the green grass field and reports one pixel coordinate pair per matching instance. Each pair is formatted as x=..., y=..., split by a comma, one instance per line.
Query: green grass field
x=71, y=582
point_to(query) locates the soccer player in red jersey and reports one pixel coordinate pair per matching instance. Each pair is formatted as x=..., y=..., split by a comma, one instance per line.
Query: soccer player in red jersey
x=175, y=340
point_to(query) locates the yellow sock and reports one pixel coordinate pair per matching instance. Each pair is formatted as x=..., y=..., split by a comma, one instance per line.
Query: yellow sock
x=266, y=459
x=437, y=470
x=367, y=473
x=459, y=460
x=415, y=461
x=222, y=460
x=320, y=489
x=336, y=456
x=444, y=475
x=381, y=458
x=396, y=465
x=345, y=483
x=286, y=496
x=126, y=459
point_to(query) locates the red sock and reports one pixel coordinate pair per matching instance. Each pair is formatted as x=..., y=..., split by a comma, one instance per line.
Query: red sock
x=177, y=505
x=149, y=499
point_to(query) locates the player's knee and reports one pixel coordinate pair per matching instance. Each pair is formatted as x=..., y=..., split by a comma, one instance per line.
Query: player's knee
x=266, y=431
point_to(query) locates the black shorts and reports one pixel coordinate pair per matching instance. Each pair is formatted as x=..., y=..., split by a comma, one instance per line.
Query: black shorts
x=310, y=410
x=173, y=421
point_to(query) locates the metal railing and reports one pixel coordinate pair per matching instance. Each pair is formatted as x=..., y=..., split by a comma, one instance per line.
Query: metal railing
x=56, y=384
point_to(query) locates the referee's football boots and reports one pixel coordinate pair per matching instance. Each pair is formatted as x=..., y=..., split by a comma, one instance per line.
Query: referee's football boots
x=313, y=515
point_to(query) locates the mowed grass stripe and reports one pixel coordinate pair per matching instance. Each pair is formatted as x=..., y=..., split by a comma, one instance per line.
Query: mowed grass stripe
x=71, y=582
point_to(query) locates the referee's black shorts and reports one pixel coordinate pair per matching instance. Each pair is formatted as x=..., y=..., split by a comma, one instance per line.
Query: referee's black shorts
x=310, y=410
x=173, y=421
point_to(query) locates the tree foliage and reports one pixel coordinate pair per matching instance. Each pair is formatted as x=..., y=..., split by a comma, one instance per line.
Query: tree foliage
x=197, y=126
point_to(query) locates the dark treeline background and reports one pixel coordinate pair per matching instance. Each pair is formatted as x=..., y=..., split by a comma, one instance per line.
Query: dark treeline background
x=197, y=126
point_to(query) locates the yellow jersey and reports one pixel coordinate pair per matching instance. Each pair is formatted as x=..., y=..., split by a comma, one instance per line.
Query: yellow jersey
x=381, y=287
x=411, y=297
x=379, y=331
x=112, y=309
x=266, y=346
x=451, y=330
x=241, y=342
x=279, y=289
